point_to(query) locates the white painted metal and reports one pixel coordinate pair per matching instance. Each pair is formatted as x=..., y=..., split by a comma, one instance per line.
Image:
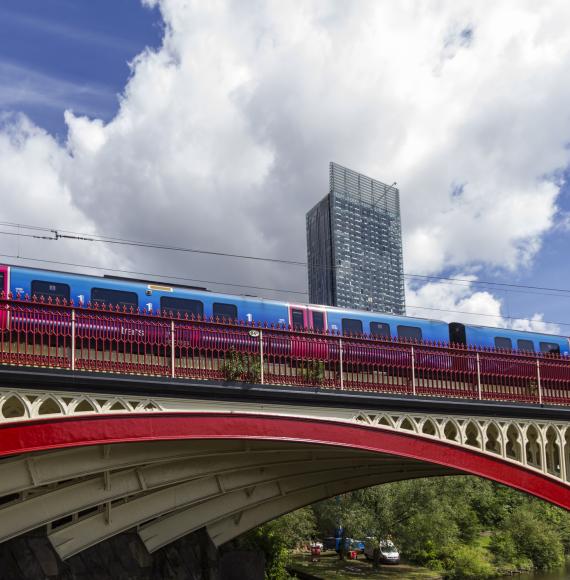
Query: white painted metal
x=262, y=373
x=167, y=529
x=172, y=350
x=49, y=468
x=56, y=503
x=539, y=382
x=73, y=339
x=478, y=376
x=413, y=372
x=340, y=363
x=78, y=536
x=227, y=528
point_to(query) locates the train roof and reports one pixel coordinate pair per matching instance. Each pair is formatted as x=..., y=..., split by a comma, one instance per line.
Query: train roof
x=291, y=303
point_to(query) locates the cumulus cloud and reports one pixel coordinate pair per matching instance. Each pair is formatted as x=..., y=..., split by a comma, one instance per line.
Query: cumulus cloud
x=463, y=301
x=224, y=133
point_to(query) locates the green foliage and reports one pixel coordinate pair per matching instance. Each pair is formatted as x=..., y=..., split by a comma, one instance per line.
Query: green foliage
x=470, y=562
x=241, y=366
x=276, y=539
x=313, y=372
x=461, y=526
x=524, y=534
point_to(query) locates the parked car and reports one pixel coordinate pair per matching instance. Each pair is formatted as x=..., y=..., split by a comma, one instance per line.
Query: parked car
x=388, y=552
x=329, y=543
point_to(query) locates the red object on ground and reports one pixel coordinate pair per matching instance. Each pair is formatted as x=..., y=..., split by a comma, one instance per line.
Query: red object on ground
x=352, y=555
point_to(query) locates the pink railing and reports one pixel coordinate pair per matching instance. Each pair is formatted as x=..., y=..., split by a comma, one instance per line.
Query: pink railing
x=106, y=339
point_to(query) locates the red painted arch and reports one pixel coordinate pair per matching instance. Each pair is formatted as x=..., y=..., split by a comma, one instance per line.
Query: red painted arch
x=24, y=437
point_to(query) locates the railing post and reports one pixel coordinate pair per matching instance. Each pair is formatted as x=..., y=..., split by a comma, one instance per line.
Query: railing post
x=261, y=372
x=73, y=339
x=172, y=350
x=539, y=385
x=479, y=377
x=341, y=365
x=413, y=373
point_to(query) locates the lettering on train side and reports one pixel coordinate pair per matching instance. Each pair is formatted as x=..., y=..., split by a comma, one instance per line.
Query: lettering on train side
x=132, y=331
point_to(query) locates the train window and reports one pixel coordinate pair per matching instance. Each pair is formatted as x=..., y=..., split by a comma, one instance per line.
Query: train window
x=1, y=281
x=318, y=320
x=380, y=329
x=223, y=310
x=45, y=289
x=549, y=348
x=351, y=326
x=297, y=319
x=412, y=332
x=525, y=345
x=504, y=343
x=114, y=297
x=182, y=306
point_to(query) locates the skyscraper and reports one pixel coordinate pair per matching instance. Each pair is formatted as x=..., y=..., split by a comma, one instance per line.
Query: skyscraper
x=354, y=245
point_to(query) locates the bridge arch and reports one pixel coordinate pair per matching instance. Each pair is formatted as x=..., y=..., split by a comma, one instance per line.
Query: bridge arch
x=261, y=490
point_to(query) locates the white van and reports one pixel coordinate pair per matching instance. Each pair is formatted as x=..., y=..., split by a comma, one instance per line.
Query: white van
x=388, y=552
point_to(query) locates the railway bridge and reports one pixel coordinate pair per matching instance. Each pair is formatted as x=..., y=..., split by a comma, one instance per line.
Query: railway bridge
x=114, y=421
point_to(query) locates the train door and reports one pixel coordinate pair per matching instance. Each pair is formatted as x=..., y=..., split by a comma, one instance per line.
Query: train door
x=303, y=317
x=298, y=317
x=457, y=333
x=318, y=320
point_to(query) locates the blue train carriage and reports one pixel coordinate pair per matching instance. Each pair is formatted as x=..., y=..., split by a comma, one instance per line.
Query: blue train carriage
x=523, y=341
x=144, y=295
x=386, y=325
x=200, y=302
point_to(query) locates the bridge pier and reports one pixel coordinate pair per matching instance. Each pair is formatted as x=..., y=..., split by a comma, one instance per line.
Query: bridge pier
x=124, y=557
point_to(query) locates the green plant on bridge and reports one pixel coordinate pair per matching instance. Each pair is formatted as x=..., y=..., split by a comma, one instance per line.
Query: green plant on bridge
x=241, y=366
x=314, y=372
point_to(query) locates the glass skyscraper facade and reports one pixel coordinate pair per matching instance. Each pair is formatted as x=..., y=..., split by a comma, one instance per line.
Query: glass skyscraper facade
x=354, y=245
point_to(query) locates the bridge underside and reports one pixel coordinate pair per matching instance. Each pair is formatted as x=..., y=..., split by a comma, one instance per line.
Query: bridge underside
x=167, y=489
x=166, y=475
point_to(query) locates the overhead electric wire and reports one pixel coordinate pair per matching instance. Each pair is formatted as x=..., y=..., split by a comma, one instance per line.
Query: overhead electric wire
x=79, y=236
x=168, y=276
x=151, y=275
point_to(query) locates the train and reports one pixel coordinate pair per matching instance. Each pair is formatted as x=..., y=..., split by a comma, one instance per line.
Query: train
x=194, y=301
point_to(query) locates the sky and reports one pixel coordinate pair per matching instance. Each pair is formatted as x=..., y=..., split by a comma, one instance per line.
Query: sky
x=211, y=125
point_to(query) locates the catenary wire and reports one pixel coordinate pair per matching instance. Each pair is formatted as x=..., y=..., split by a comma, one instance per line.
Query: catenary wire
x=168, y=276
x=80, y=236
x=153, y=275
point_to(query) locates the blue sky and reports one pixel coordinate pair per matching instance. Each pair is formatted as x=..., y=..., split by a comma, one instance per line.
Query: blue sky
x=71, y=54
x=224, y=135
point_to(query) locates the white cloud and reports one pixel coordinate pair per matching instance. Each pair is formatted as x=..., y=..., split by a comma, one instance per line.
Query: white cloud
x=463, y=302
x=34, y=191
x=224, y=135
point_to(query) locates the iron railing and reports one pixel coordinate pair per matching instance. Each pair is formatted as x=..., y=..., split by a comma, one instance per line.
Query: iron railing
x=98, y=338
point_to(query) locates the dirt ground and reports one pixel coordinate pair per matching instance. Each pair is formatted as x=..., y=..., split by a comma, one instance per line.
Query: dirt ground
x=329, y=567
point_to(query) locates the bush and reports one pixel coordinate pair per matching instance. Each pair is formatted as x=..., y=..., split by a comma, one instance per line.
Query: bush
x=524, y=535
x=241, y=366
x=504, y=548
x=470, y=562
x=314, y=372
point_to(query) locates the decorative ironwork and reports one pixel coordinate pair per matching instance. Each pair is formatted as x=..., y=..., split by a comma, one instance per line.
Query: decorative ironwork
x=543, y=446
x=97, y=338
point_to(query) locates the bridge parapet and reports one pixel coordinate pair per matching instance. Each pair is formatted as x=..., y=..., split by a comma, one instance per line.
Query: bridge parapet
x=62, y=336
